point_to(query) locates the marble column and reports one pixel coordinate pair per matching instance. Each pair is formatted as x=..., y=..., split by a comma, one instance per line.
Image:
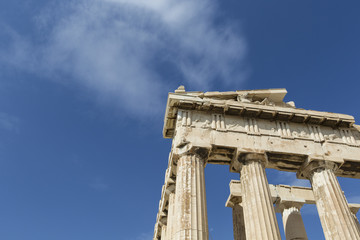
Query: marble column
x=356, y=221
x=238, y=222
x=335, y=216
x=190, y=200
x=259, y=214
x=293, y=223
x=163, y=232
x=353, y=213
x=170, y=217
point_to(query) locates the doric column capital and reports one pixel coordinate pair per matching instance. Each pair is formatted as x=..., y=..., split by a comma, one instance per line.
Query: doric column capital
x=235, y=196
x=335, y=216
x=282, y=205
x=248, y=157
x=317, y=164
x=200, y=152
x=244, y=158
x=354, y=208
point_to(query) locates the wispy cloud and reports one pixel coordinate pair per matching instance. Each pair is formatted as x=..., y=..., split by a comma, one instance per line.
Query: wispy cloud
x=289, y=178
x=353, y=199
x=9, y=122
x=128, y=51
x=301, y=183
x=145, y=236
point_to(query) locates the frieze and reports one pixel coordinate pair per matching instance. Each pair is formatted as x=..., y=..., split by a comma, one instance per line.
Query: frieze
x=267, y=105
x=251, y=126
x=255, y=126
x=184, y=118
x=283, y=129
x=315, y=133
x=218, y=122
x=348, y=137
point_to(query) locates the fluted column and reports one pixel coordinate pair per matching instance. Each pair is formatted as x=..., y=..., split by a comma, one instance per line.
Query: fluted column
x=238, y=222
x=293, y=223
x=335, y=216
x=259, y=214
x=356, y=220
x=170, y=217
x=163, y=232
x=190, y=200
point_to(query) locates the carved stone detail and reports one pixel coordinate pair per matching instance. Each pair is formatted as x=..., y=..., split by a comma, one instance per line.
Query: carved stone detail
x=347, y=137
x=218, y=122
x=184, y=118
x=315, y=133
x=284, y=129
x=261, y=127
x=251, y=126
x=260, y=130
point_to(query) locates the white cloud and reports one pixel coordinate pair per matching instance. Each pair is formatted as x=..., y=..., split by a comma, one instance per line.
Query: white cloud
x=128, y=51
x=300, y=183
x=145, y=236
x=289, y=178
x=353, y=199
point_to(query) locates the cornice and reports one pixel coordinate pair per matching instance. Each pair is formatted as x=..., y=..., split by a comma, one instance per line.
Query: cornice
x=228, y=104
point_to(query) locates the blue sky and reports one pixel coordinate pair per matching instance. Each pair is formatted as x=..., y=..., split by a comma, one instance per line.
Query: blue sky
x=83, y=87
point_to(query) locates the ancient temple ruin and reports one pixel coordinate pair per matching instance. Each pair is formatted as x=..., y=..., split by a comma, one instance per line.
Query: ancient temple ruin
x=250, y=131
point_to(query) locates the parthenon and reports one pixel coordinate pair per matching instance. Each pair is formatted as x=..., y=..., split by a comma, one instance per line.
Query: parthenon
x=251, y=131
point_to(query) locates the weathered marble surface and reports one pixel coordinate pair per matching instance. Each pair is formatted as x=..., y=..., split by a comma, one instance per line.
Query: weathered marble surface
x=288, y=201
x=223, y=127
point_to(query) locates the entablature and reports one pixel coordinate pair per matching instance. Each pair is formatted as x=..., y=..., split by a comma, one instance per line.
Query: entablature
x=253, y=104
x=287, y=145
x=280, y=194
